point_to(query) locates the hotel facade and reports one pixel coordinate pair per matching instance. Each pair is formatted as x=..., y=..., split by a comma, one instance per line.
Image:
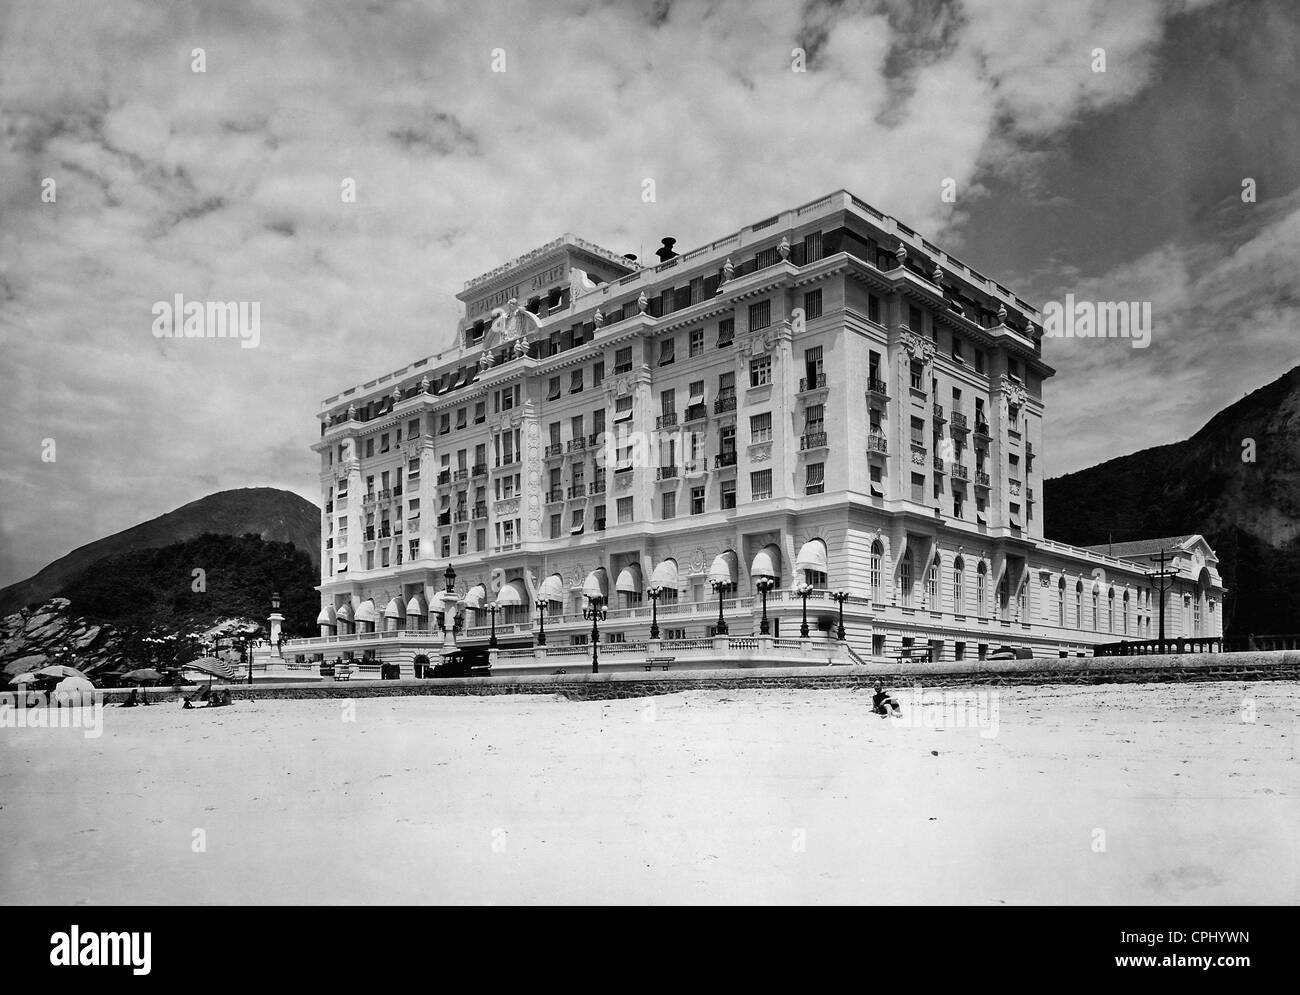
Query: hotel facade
x=823, y=397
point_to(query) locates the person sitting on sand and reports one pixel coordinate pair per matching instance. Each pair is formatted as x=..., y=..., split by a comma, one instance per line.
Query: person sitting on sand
x=130, y=700
x=882, y=703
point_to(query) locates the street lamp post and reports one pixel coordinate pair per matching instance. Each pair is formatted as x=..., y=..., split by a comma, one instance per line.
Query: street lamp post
x=492, y=610
x=540, y=605
x=840, y=597
x=721, y=586
x=764, y=583
x=653, y=594
x=595, y=615
x=803, y=590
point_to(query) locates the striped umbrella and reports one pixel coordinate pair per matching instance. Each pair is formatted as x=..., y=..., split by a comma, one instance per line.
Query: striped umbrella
x=213, y=667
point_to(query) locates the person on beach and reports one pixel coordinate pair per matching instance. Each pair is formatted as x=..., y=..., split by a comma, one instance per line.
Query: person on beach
x=882, y=703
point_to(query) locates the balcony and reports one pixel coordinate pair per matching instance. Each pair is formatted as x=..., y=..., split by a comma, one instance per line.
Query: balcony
x=666, y=473
x=444, y=518
x=696, y=412
x=369, y=534
x=725, y=460
x=397, y=491
x=813, y=440
x=958, y=422
x=577, y=445
x=444, y=478
x=462, y=515
x=554, y=494
x=461, y=475
x=877, y=444
x=480, y=511
x=598, y=486
x=385, y=533
x=478, y=470
x=938, y=414
x=726, y=402
x=553, y=450
x=938, y=465
x=593, y=440
x=959, y=472
x=876, y=389
x=817, y=382
x=508, y=461
x=577, y=491
x=981, y=479
x=666, y=421
x=623, y=368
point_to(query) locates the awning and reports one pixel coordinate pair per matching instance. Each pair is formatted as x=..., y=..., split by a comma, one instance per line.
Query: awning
x=443, y=602
x=696, y=395
x=724, y=568
x=596, y=584
x=767, y=563
x=366, y=612
x=812, y=556
x=513, y=595
x=345, y=612
x=474, y=596
x=394, y=609
x=665, y=575
x=629, y=579
x=552, y=589
x=326, y=616
x=415, y=606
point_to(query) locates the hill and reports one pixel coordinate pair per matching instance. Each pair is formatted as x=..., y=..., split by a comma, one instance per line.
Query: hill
x=273, y=515
x=1236, y=481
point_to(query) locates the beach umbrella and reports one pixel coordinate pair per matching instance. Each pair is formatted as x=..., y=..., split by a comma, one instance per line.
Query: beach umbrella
x=60, y=671
x=144, y=675
x=213, y=667
x=73, y=684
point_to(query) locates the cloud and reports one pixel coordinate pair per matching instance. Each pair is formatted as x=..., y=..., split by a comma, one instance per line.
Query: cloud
x=226, y=185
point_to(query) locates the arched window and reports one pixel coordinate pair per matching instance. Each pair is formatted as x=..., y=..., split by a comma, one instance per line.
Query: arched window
x=905, y=579
x=1126, y=613
x=1196, y=613
x=981, y=589
x=1060, y=602
x=1110, y=623
x=932, y=584
x=877, y=555
x=1096, y=610
x=1078, y=604
x=958, y=569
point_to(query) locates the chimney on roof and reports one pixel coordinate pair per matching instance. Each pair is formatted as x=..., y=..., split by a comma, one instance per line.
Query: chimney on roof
x=666, y=251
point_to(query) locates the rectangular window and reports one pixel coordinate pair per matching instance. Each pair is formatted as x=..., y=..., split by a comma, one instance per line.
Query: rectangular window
x=726, y=331
x=760, y=315
x=575, y=382
x=370, y=447
x=553, y=389
x=413, y=428
x=727, y=495
x=914, y=319
x=918, y=488
x=667, y=351
x=812, y=247
x=917, y=376
x=480, y=540
x=669, y=509
x=979, y=360
x=623, y=408
x=624, y=510
x=760, y=427
x=597, y=373
x=760, y=485
x=623, y=360
x=815, y=481
x=697, y=342
x=918, y=432
x=556, y=522
x=815, y=421
x=480, y=412
x=554, y=429
x=812, y=304
x=462, y=543
x=765, y=258
x=873, y=308
x=697, y=500
x=760, y=371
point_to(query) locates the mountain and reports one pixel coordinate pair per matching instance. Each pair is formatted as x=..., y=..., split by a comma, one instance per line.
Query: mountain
x=273, y=515
x=1236, y=481
x=152, y=607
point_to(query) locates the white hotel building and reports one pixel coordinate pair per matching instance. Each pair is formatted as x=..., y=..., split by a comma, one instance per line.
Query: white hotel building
x=824, y=397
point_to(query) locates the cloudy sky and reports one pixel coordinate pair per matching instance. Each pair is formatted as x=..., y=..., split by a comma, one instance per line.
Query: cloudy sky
x=226, y=185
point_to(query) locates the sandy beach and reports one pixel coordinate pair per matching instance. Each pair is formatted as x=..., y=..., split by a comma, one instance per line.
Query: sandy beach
x=1161, y=793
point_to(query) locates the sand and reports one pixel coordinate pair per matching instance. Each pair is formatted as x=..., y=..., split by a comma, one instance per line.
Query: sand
x=1105, y=794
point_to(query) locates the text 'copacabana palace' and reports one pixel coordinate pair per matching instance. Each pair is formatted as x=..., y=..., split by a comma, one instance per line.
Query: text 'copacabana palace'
x=823, y=397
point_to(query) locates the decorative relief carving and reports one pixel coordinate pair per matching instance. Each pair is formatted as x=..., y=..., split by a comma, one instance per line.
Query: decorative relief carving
x=697, y=560
x=760, y=453
x=917, y=347
x=509, y=507
x=1013, y=392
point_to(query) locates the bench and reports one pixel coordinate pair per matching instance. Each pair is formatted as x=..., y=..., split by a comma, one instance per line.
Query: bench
x=662, y=662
